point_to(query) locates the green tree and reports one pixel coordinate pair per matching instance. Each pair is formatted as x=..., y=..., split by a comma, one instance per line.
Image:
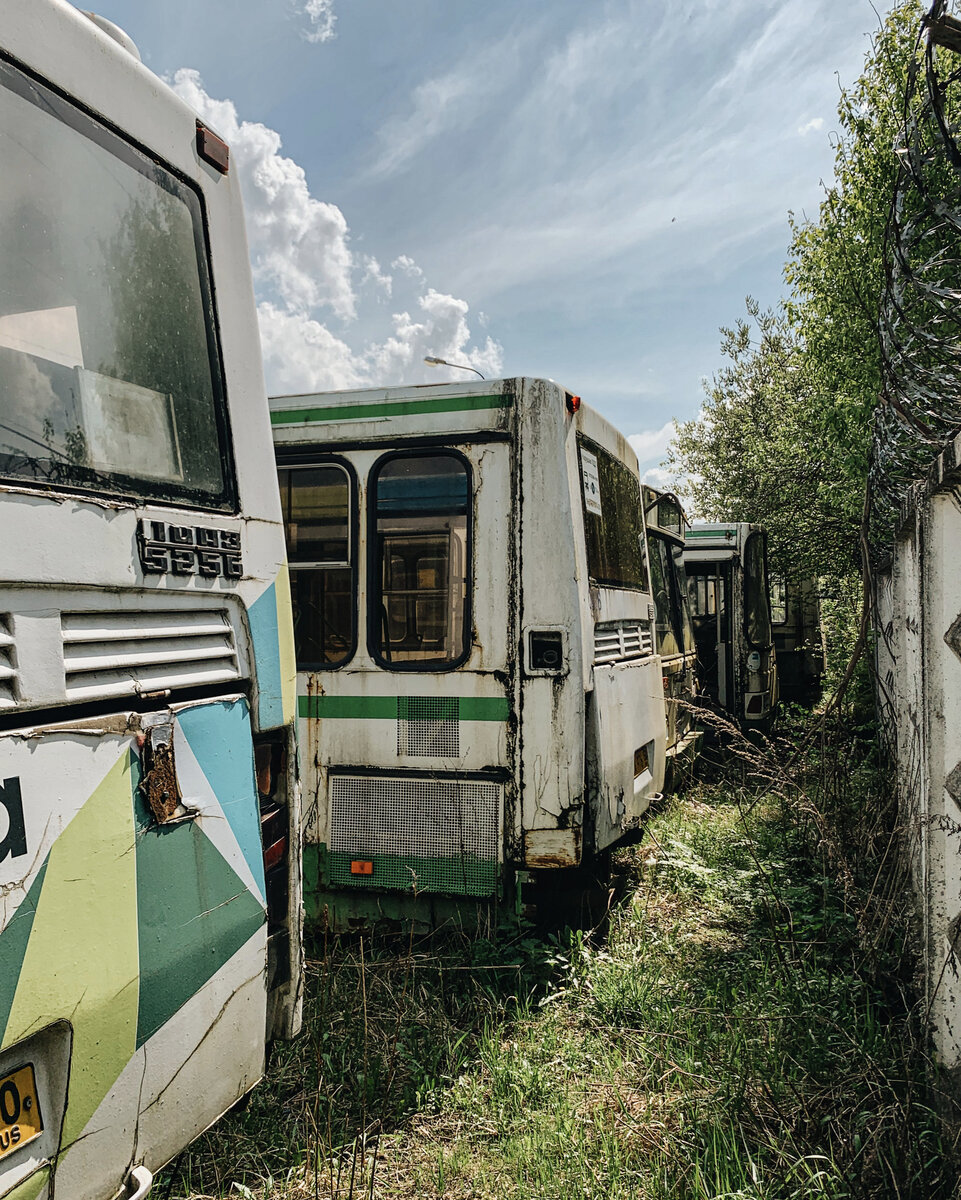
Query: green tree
x=785, y=434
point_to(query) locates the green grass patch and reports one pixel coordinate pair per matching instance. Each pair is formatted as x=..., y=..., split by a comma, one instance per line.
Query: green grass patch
x=744, y=1027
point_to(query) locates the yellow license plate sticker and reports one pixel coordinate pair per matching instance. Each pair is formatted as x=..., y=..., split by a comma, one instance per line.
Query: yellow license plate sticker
x=20, y=1119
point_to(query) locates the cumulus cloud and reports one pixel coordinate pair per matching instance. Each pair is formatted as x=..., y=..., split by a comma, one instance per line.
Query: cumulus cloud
x=305, y=275
x=652, y=443
x=298, y=245
x=441, y=331
x=811, y=126
x=322, y=18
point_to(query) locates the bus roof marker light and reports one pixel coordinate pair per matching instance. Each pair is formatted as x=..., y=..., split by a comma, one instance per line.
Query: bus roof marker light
x=573, y=402
x=213, y=149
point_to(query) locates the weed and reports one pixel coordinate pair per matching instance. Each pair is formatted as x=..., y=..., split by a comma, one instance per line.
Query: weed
x=746, y=1027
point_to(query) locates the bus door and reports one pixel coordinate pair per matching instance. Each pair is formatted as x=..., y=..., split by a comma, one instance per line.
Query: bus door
x=402, y=653
x=709, y=589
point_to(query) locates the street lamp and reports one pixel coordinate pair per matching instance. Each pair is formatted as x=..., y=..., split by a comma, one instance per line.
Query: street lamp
x=442, y=362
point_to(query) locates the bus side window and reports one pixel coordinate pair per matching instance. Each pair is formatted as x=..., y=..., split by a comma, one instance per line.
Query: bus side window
x=419, y=586
x=778, y=601
x=317, y=507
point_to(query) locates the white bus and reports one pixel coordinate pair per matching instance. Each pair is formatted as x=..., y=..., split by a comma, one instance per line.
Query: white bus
x=480, y=699
x=726, y=566
x=674, y=629
x=149, y=852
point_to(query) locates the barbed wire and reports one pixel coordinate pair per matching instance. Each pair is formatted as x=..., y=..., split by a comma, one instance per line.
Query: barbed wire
x=919, y=406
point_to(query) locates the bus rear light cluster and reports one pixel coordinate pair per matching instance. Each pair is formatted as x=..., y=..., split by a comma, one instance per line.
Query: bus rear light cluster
x=270, y=766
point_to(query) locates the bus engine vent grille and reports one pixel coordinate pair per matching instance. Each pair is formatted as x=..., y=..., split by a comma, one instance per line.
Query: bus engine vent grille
x=428, y=726
x=8, y=663
x=423, y=835
x=620, y=641
x=124, y=653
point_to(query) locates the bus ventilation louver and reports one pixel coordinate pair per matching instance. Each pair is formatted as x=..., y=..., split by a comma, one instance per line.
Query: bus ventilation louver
x=8, y=663
x=621, y=641
x=419, y=835
x=428, y=726
x=127, y=653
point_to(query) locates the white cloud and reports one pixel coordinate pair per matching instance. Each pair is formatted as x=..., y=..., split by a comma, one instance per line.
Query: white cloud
x=305, y=272
x=298, y=245
x=322, y=18
x=812, y=126
x=442, y=332
x=660, y=478
x=652, y=443
x=380, y=279
x=302, y=355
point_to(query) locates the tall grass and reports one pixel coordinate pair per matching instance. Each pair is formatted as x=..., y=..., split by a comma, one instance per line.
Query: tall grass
x=744, y=1026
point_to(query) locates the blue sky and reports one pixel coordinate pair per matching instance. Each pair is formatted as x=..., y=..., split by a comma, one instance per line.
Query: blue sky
x=539, y=187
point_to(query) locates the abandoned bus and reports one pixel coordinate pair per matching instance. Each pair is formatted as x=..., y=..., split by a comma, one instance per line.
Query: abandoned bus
x=798, y=639
x=149, y=862
x=479, y=696
x=673, y=627
x=726, y=568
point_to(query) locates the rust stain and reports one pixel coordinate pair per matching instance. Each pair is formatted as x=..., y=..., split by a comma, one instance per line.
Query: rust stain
x=159, y=785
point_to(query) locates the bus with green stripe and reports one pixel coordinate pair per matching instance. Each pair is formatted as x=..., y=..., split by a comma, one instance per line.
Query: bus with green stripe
x=149, y=821
x=480, y=700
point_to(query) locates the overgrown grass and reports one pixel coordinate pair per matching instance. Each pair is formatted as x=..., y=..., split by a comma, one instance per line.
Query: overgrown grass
x=744, y=1028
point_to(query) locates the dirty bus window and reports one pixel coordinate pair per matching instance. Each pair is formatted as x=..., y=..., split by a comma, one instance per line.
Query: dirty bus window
x=108, y=365
x=757, y=613
x=418, y=581
x=615, y=534
x=778, y=601
x=667, y=621
x=316, y=504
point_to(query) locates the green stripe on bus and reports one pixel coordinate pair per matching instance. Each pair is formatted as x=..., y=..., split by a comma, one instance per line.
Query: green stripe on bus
x=396, y=408
x=389, y=708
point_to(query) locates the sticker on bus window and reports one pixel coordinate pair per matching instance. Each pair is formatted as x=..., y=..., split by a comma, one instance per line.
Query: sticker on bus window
x=592, y=482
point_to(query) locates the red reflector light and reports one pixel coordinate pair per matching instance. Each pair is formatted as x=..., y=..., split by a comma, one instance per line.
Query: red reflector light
x=361, y=867
x=213, y=149
x=667, y=681
x=263, y=763
x=573, y=403
x=755, y=704
x=275, y=853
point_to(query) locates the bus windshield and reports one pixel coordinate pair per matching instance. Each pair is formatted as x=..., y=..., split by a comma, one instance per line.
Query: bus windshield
x=108, y=366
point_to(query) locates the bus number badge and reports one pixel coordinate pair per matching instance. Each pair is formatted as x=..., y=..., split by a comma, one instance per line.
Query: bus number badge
x=189, y=550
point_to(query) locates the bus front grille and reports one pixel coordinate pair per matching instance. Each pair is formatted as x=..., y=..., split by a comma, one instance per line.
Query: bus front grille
x=122, y=653
x=414, y=835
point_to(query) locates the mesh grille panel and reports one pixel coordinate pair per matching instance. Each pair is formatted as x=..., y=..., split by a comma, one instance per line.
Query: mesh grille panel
x=424, y=834
x=428, y=726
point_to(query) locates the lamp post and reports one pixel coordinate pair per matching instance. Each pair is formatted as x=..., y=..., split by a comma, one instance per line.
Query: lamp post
x=442, y=362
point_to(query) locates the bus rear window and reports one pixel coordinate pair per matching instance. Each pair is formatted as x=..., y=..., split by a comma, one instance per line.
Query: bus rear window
x=419, y=585
x=613, y=526
x=109, y=375
x=318, y=523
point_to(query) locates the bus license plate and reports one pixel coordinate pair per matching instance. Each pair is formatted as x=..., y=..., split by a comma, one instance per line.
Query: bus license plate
x=20, y=1119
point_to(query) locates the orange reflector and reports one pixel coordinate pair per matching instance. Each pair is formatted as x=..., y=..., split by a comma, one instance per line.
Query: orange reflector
x=263, y=755
x=573, y=403
x=361, y=867
x=212, y=149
